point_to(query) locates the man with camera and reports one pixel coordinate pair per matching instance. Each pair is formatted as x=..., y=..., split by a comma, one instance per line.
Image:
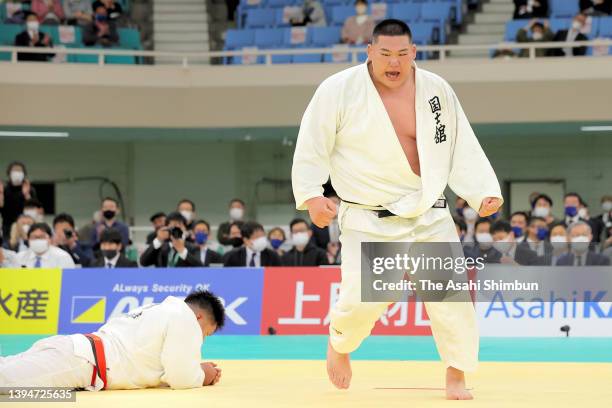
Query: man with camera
x=169, y=248
x=65, y=237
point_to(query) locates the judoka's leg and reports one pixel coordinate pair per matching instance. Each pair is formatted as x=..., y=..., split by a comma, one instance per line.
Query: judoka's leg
x=49, y=362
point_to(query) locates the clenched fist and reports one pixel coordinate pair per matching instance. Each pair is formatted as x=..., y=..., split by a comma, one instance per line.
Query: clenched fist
x=322, y=211
x=489, y=206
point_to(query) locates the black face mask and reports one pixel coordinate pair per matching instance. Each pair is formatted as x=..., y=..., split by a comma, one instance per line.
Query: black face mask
x=109, y=214
x=236, y=242
x=109, y=253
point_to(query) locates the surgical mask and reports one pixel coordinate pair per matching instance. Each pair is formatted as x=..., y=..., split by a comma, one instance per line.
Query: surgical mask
x=571, y=211
x=470, y=214
x=580, y=244
x=606, y=206
x=558, y=241
x=582, y=213
x=576, y=25
x=504, y=246
x=300, y=238
x=188, y=215
x=542, y=233
x=236, y=213
x=32, y=26
x=109, y=214
x=17, y=177
x=276, y=243
x=25, y=228
x=537, y=36
x=201, y=237
x=542, y=212
x=32, y=213
x=236, y=242
x=109, y=253
x=39, y=246
x=259, y=244
x=361, y=9
x=485, y=240
x=518, y=232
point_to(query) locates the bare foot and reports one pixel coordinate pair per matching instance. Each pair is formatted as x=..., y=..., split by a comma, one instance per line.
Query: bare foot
x=338, y=368
x=455, y=385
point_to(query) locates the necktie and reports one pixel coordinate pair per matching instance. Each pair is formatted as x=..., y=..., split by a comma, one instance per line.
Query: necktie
x=172, y=258
x=252, y=263
x=38, y=262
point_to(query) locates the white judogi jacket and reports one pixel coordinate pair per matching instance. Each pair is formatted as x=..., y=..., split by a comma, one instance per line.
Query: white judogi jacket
x=153, y=344
x=346, y=133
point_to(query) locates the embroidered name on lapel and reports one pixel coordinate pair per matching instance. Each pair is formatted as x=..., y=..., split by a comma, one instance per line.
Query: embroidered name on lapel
x=436, y=109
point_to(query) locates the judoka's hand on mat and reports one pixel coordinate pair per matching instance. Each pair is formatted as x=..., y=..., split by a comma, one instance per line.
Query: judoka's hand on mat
x=212, y=374
x=322, y=211
x=489, y=206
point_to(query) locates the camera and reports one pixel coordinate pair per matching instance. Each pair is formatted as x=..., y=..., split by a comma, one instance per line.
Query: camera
x=176, y=233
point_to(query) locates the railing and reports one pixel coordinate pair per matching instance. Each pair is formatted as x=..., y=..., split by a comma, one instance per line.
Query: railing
x=352, y=52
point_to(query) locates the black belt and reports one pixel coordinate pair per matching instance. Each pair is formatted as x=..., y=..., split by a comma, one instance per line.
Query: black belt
x=440, y=203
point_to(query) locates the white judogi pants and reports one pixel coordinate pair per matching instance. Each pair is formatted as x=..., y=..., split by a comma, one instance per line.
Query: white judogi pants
x=453, y=324
x=50, y=362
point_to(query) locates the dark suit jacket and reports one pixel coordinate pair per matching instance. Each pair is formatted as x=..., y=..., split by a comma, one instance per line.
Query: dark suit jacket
x=538, y=11
x=211, y=257
x=122, y=262
x=159, y=257
x=23, y=40
x=526, y=256
x=320, y=237
x=311, y=256
x=593, y=259
x=238, y=257
x=599, y=227
x=561, y=35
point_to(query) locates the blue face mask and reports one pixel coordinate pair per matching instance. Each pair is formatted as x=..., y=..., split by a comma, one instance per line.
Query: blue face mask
x=101, y=18
x=201, y=237
x=494, y=216
x=518, y=232
x=276, y=243
x=459, y=212
x=542, y=233
x=571, y=211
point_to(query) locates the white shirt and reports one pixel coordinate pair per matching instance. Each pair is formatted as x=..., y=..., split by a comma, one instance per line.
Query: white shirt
x=10, y=258
x=153, y=344
x=203, y=254
x=53, y=258
x=250, y=255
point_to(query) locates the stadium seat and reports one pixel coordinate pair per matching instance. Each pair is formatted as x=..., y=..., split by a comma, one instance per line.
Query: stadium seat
x=235, y=39
x=512, y=28
x=423, y=32
x=340, y=13
x=119, y=59
x=289, y=40
x=129, y=38
x=8, y=32
x=604, y=28
x=432, y=12
x=307, y=58
x=279, y=3
x=557, y=24
x=269, y=37
x=325, y=36
x=260, y=18
x=406, y=12
x=563, y=8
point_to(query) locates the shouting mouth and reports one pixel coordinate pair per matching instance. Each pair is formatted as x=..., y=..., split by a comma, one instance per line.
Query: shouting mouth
x=392, y=75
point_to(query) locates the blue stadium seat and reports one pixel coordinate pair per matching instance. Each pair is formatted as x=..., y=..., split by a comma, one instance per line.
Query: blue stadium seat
x=287, y=38
x=279, y=3
x=557, y=24
x=563, y=8
x=436, y=11
x=269, y=37
x=335, y=3
x=120, y=59
x=423, y=32
x=307, y=58
x=279, y=13
x=53, y=31
x=8, y=32
x=325, y=36
x=235, y=39
x=512, y=28
x=340, y=13
x=260, y=18
x=604, y=28
x=406, y=12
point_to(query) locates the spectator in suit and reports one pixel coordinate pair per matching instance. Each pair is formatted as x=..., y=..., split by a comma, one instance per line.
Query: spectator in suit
x=303, y=253
x=537, y=233
x=569, y=35
x=41, y=254
x=14, y=194
x=111, y=251
x=101, y=31
x=558, y=244
x=200, y=233
x=541, y=206
x=254, y=252
x=34, y=208
x=65, y=237
x=48, y=11
x=78, y=12
x=482, y=247
x=237, y=208
x=158, y=220
x=18, y=240
x=530, y=9
x=580, y=236
x=540, y=32
x=113, y=9
x=187, y=209
x=358, y=29
x=110, y=211
x=470, y=216
x=511, y=252
x=277, y=238
x=602, y=223
x=518, y=222
x=169, y=248
x=33, y=37
x=461, y=228
x=596, y=7
x=574, y=209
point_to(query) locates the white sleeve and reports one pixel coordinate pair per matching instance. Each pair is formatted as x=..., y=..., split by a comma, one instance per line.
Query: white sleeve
x=314, y=145
x=181, y=353
x=65, y=260
x=471, y=176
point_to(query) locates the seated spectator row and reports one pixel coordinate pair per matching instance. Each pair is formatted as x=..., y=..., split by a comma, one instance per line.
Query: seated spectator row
x=599, y=27
x=560, y=8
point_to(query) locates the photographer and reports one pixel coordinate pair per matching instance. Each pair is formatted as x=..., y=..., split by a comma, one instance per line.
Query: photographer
x=65, y=237
x=169, y=248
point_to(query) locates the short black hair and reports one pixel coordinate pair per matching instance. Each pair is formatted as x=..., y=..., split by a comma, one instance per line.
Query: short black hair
x=522, y=213
x=237, y=200
x=32, y=202
x=537, y=24
x=110, y=199
x=210, y=303
x=157, y=215
x=501, y=226
x=534, y=219
x=482, y=220
x=111, y=235
x=578, y=196
x=238, y=223
x=296, y=221
x=201, y=222
x=175, y=216
x=16, y=163
x=543, y=196
x=43, y=226
x=248, y=229
x=63, y=217
x=186, y=200
x=391, y=27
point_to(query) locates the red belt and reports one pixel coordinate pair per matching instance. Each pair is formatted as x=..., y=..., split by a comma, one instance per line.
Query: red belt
x=99, y=369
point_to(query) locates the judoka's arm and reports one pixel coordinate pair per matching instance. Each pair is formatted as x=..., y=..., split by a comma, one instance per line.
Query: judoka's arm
x=471, y=176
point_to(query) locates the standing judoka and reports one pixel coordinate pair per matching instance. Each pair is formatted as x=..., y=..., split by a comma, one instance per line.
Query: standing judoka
x=391, y=136
x=151, y=345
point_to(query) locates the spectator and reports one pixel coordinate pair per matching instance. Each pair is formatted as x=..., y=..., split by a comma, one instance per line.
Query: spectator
x=483, y=243
x=169, y=248
x=48, y=11
x=541, y=206
x=14, y=194
x=8, y=258
x=607, y=245
x=33, y=37
x=18, y=239
x=511, y=252
x=574, y=209
x=187, y=209
x=461, y=228
x=470, y=216
x=539, y=33
x=236, y=213
x=277, y=238
x=460, y=204
x=87, y=231
x=254, y=252
x=358, y=29
x=602, y=223
x=569, y=35
x=303, y=253
x=530, y=9
x=110, y=210
x=537, y=232
x=41, y=254
x=65, y=237
x=114, y=11
x=518, y=222
x=201, y=232
x=111, y=251
x=312, y=14
x=558, y=244
x=580, y=255
x=34, y=209
x=158, y=220
x=235, y=236
x=101, y=31
x=78, y=12
x=596, y=7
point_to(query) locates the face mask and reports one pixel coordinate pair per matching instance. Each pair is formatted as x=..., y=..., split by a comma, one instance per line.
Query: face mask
x=236, y=213
x=541, y=212
x=25, y=228
x=606, y=206
x=109, y=253
x=504, y=246
x=109, y=214
x=17, y=177
x=236, y=242
x=576, y=25
x=485, y=240
x=537, y=36
x=201, y=237
x=276, y=243
x=101, y=18
x=558, y=241
x=300, y=238
x=580, y=244
x=571, y=211
x=542, y=233
x=518, y=232
x=187, y=215
x=470, y=214
x=39, y=246
x=31, y=213
x=582, y=213
x=459, y=212
x=259, y=244
x=494, y=216
x=32, y=26
x=361, y=9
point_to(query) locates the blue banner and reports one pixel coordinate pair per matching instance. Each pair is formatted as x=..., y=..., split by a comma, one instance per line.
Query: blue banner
x=90, y=297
